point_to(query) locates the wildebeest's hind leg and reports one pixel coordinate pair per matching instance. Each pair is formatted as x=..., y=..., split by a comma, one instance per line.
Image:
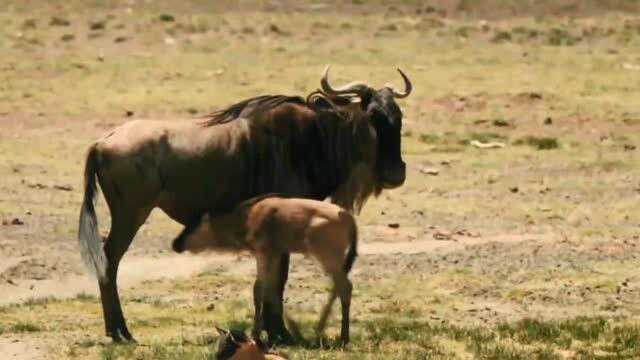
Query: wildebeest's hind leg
x=124, y=226
x=128, y=212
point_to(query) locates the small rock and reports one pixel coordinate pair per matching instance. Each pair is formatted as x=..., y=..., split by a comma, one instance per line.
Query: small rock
x=211, y=307
x=548, y=121
x=394, y=225
x=63, y=187
x=129, y=113
x=37, y=186
x=500, y=123
x=514, y=189
x=441, y=236
x=430, y=171
x=17, y=221
x=629, y=147
x=120, y=39
x=489, y=145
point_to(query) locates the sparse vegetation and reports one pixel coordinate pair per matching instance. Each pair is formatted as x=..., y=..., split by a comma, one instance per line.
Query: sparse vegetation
x=540, y=143
x=506, y=253
x=23, y=326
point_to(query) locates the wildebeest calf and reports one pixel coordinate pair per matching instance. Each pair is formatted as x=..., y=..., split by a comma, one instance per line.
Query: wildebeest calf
x=270, y=226
x=235, y=345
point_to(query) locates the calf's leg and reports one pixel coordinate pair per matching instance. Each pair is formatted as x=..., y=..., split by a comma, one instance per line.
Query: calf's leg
x=326, y=311
x=344, y=288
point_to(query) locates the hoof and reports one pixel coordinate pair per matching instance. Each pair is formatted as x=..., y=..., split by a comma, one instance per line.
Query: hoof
x=344, y=341
x=283, y=338
x=122, y=336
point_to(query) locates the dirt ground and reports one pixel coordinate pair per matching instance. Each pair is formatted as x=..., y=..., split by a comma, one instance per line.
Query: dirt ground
x=484, y=253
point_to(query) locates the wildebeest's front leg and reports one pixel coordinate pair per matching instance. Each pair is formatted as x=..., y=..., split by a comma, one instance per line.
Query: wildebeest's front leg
x=277, y=315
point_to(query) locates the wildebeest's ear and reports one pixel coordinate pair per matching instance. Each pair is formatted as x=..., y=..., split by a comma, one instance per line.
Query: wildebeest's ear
x=365, y=100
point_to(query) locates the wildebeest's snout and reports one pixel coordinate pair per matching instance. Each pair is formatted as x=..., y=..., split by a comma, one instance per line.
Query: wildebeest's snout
x=394, y=177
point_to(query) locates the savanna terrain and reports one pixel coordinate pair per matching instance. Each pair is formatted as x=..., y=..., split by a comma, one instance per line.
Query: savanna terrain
x=526, y=250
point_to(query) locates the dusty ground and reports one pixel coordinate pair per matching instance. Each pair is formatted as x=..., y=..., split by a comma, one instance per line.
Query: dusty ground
x=525, y=251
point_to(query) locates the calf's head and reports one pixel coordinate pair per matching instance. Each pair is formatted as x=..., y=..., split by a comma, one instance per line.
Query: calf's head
x=196, y=237
x=235, y=345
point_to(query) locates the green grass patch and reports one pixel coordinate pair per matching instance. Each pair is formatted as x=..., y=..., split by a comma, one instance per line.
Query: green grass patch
x=540, y=143
x=429, y=138
x=24, y=327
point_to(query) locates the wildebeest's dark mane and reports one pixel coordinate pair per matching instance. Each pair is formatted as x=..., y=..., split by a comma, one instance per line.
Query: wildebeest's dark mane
x=248, y=107
x=325, y=152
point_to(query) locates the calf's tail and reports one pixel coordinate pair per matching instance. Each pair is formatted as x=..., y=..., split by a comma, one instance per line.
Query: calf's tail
x=352, y=252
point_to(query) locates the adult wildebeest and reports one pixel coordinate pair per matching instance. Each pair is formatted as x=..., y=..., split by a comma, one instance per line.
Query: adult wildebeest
x=271, y=226
x=329, y=145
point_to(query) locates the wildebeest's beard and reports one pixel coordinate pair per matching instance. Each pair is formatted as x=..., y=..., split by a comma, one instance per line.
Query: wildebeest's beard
x=386, y=117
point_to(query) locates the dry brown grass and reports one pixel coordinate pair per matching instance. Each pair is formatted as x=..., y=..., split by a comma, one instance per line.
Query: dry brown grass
x=509, y=247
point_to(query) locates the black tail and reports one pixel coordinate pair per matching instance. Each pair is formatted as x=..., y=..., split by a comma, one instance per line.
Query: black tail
x=352, y=253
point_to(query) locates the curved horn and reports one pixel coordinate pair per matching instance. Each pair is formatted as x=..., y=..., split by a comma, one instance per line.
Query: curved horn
x=356, y=87
x=407, y=87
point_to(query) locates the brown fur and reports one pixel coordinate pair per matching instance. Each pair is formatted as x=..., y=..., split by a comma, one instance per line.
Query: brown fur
x=274, y=225
x=235, y=345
